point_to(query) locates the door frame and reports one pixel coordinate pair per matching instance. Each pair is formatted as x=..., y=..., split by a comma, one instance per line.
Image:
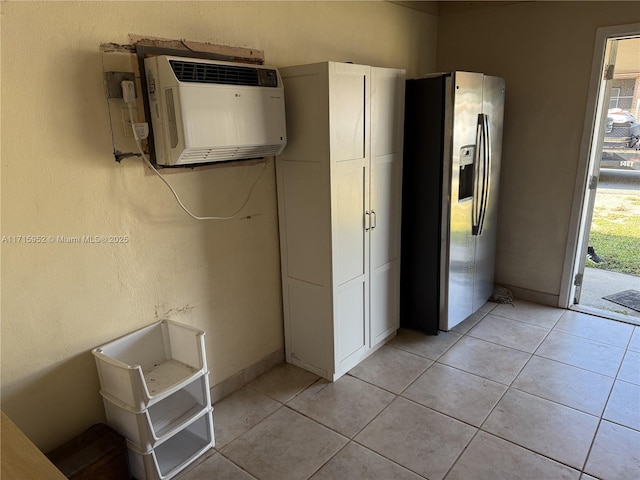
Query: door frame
x=578, y=214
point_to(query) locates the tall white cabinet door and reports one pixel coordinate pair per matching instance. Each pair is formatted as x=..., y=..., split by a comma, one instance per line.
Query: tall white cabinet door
x=348, y=109
x=349, y=133
x=387, y=132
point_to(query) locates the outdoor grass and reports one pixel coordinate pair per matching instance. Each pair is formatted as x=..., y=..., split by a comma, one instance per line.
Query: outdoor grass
x=615, y=236
x=633, y=200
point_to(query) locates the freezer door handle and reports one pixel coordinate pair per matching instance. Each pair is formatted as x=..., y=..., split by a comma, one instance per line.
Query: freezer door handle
x=486, y=170
x=367, y=221
x=475, y=202
x=482, y=174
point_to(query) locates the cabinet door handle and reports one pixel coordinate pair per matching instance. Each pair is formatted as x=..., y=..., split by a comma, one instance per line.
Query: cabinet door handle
x=367, y=221
x=373, y=220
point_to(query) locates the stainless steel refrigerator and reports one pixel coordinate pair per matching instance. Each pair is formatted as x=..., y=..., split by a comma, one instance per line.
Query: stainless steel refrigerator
x=451, y=172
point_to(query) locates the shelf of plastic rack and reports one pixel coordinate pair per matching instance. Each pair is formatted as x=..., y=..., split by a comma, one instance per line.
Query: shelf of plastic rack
x=150, y=427
x=145, y=366
x=175, y=454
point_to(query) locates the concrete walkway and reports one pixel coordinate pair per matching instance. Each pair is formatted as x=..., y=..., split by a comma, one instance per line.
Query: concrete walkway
x=600, y=283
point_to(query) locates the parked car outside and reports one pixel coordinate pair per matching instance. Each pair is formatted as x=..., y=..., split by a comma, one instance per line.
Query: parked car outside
x=621, y=147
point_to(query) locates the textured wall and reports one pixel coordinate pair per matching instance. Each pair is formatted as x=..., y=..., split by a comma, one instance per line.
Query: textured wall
x=59, y=178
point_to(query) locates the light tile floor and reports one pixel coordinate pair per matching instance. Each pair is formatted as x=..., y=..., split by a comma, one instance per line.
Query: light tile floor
x=514, y=392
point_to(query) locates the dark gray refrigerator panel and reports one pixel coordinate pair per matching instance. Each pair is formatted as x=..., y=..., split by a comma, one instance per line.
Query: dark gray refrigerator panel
x=422, y=193
x=453, y=130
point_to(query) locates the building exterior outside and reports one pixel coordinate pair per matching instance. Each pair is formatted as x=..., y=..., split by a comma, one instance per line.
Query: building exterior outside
x=621, y=147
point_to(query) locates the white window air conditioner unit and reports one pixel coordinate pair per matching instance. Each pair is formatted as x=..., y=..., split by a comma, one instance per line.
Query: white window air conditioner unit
x=205, y=111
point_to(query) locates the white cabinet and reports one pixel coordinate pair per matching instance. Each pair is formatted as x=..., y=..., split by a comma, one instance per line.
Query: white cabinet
x=339, y=201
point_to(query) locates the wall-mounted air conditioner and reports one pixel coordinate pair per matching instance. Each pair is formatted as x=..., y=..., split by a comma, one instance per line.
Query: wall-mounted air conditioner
x=206, y=111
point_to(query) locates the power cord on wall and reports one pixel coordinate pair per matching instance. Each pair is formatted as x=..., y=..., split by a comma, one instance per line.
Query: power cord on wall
x=141, y=131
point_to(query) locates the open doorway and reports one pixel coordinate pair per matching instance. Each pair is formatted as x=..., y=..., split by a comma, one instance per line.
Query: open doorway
x=606, y=265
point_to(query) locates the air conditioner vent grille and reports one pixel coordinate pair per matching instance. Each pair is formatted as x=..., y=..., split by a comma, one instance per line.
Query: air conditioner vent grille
x=205, y=155
x=197, y=72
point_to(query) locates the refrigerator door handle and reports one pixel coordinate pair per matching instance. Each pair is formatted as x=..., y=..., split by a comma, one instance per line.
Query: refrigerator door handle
x=482, y=175
x=486, y=171
x=374, y=220
x=476, y=202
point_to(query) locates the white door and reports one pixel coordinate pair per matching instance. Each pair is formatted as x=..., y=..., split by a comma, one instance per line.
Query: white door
x=603, y=65
x=595, y=156
x=387, y=131
x=348, y=106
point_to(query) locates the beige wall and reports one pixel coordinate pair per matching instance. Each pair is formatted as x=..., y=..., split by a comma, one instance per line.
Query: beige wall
x=59, y=178
x=544, y=50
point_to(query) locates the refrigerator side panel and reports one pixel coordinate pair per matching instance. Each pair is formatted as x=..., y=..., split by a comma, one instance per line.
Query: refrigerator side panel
x=493, y=108
x=422, y=193
x=467, y=105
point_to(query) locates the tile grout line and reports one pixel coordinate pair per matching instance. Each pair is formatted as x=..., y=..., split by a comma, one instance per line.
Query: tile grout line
x=600, y=417
x=244, y=433
x=479, y=428
x=428, y=358
x=510, y=386
x=352, y=439
x=593, y=441
x=608, y=321
x=555, y=309
x=580, y=470
x=284, y=405
x=475, y=434
x=506, y=346
x=523, y=322
x=336, y=431
x=328, y=460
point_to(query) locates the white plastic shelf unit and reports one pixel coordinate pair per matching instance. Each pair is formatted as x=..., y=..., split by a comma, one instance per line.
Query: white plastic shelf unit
x=155, y=388
x=145, y=366
x=150, y=427
x=174, y=455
